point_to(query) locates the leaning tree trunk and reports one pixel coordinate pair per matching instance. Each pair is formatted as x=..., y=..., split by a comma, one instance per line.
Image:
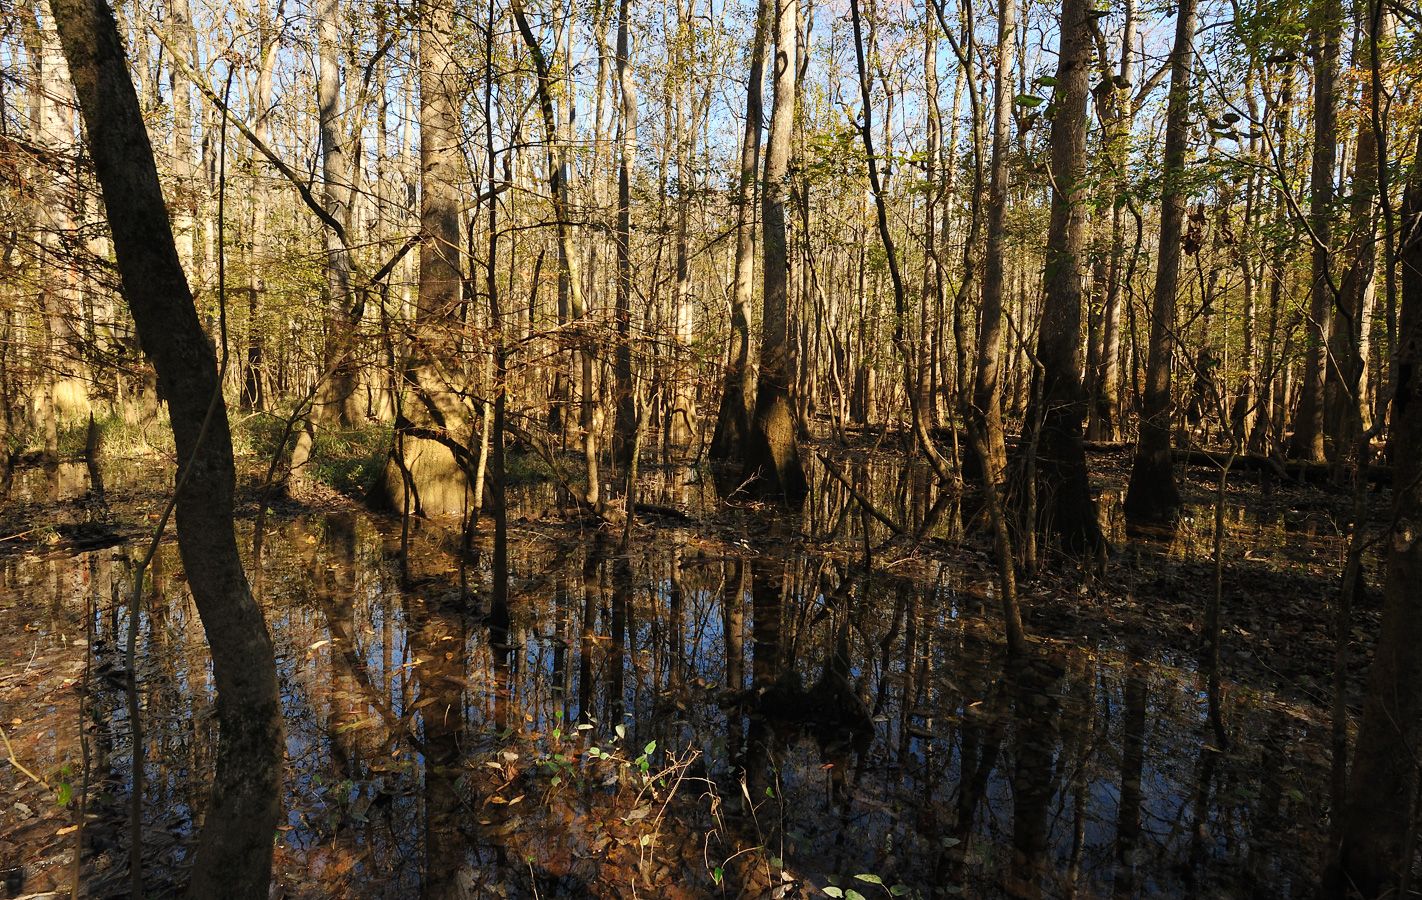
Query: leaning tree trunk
x=235, y=851
x=1381, y=808
x=772, y=464
x=1153, y=493
x=1067, y=507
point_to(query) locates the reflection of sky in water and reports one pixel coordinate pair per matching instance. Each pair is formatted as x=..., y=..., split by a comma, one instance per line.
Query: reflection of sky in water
x=355, y=786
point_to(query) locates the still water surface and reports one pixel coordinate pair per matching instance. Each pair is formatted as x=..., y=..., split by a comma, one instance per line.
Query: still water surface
x=690, y=716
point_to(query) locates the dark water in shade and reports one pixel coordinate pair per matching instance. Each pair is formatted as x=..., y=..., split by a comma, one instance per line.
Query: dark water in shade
x=811, y=723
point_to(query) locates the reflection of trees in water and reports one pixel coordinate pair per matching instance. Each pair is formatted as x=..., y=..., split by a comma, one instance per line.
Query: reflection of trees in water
x=438, y=639
x=1036, y=713
x=961, y=750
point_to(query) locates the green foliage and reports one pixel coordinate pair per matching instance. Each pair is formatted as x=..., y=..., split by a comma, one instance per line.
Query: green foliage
x=350, y=460
x=526, y=468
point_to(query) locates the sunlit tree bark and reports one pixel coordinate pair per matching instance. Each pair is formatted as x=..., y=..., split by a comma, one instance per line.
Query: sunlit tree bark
x=772, y=465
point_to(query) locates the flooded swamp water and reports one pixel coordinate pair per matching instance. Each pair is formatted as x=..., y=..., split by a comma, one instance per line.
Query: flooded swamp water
x=733, y=705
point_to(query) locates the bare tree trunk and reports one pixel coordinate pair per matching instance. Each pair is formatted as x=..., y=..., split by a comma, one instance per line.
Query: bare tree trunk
x=334, y=395
x=1346, y=406
x=987, y=392
x=733, y=420
x=682, y=408
x=253, y=394
x=235, y=850
x=1107, y=410
x=1308, y=419
x=772, y=463
x=1153, y=493
x=1378, y=818
x=625, y=423
x=1067, y=507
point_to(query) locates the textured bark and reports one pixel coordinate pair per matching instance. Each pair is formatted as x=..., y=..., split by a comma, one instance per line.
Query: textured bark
x=1307, y=442
x=436, y=423
x=1382, y=787
x=733, y=420
x=1066, y=507
x=1347, y=370
x=1153, y=492
x=987, y=390
x=235, y=850
x=772, y=464
x=1118, y=121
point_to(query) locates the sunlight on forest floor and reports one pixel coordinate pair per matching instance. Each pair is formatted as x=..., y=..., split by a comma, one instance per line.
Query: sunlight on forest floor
x=734, y=707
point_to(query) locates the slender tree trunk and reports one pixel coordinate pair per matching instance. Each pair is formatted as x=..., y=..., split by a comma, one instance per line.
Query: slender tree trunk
x=1108, y=403
x=568, y=256
x=625, y=424
x=901, y=343
x=1308, y=420
x=772, y=463
x=987, y=392
x=1153, y=493
x=235, y=850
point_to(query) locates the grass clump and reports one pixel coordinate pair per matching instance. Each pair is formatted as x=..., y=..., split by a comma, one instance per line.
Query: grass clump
x=349, y=460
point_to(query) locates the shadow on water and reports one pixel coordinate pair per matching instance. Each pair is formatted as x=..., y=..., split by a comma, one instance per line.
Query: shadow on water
x=690, y=717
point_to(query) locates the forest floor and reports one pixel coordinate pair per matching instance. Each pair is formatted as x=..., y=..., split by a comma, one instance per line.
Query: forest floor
x=1280, y=578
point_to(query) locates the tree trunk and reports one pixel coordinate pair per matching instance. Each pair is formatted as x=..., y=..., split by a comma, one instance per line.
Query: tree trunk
x=1308, y=419
x=1382, y=787
x=433, y=428
x=1153, y=493
x=1107, y=411
x=235, y=851
x=772, y=464
x=1068, y=509
x=1346, y=367
x=733, y=420
x=987, y=391
x=625, y=422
